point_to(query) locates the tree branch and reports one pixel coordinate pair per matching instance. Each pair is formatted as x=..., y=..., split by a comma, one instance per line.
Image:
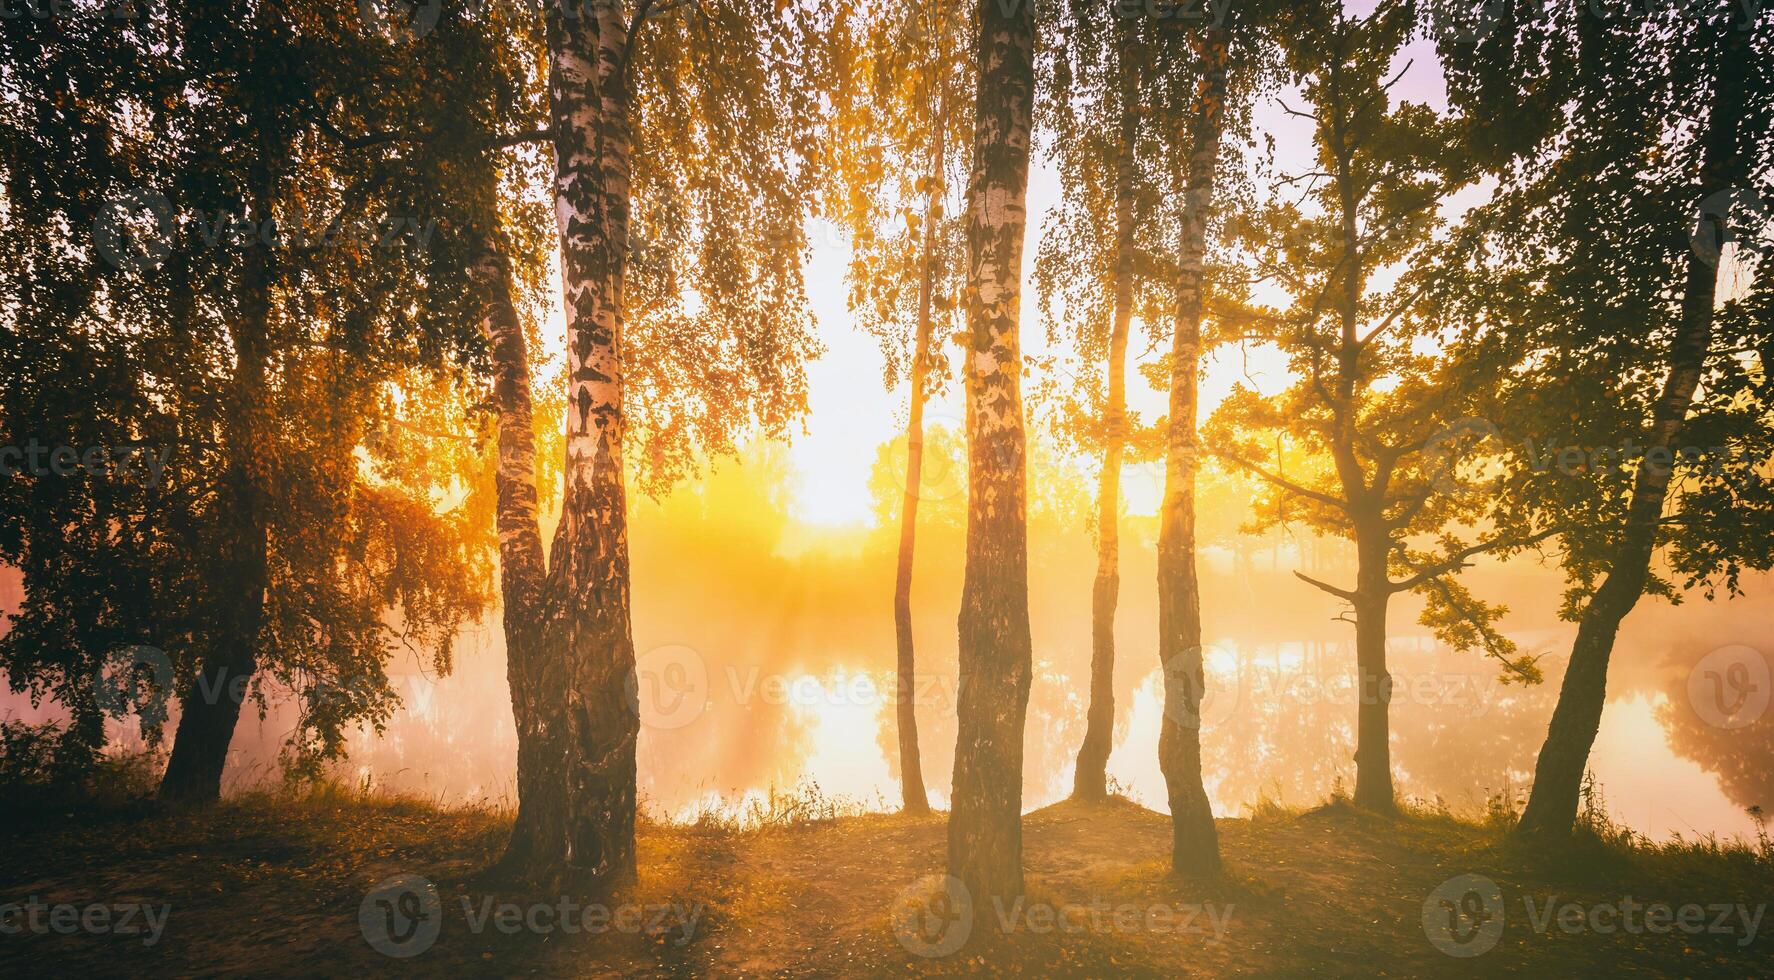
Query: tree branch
x=1484, y=634
x=1286, y=484
x=1290, y=110
x=1412, y=505
x=1325, y=586
x=394, y=136
x=646, y=9
x=1392, y=317
x=1457, y=560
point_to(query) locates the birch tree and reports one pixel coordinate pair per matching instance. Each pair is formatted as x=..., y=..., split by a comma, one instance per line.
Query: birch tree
x=1094, y=112
x=985, y=819
x=1194, y=840
x=899, y=155
x=645, y=214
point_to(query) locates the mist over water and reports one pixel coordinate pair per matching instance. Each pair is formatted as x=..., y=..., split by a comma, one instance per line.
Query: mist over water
x=765, y=649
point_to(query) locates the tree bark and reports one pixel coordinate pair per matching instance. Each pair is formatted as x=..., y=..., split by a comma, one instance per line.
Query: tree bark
x=911, y=765
x=1090, y=777
x=1195, y=847
x=985, y=819
x=1366, y=501
x=1558, y=774
x=210, y=709
x=582, y=821
x=522, y=567
x=1373, y=722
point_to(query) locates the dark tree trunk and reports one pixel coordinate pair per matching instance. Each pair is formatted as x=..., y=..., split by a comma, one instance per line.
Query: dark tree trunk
x=1558, y=774
x=911, y=765
x=1365, y=500
x=522, y=569
x=1090, y=778
x=1195, y=844
x=211, y=706
x=985, y=819
x=581, y=814
x=1373, y=724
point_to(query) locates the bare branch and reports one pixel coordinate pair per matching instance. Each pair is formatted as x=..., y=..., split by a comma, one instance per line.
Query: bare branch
x=1289, y=181
x=1325, y=586
x=1398, y=77
x=1290, y=110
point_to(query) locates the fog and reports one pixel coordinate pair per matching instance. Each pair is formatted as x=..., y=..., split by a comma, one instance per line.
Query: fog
x=765, y=650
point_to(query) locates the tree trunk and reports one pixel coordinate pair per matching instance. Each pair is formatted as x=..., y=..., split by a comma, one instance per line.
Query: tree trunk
x=1558, y=774
x=210, y=709
x=1195, y=845
x=1373, y=722
x=911, y=765
x=985, y=819
x=582, y=821
x=522, y=569
x=1090, y=778
x=1365, y=499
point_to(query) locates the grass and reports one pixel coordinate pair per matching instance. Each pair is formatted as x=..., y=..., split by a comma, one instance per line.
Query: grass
x=797, y=885
x=804, y=805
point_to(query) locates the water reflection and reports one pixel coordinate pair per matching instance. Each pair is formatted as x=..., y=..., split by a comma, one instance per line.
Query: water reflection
x=1280, y=725
x=767, y=649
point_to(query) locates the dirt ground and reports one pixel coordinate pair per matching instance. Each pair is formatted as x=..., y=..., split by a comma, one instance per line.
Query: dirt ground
x=323, y=887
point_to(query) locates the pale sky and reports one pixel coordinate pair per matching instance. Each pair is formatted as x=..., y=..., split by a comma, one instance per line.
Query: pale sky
x=852, y=413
